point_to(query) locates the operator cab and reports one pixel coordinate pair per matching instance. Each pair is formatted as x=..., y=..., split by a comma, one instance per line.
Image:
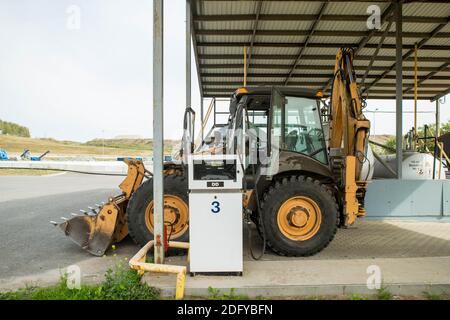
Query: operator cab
x=293, y=116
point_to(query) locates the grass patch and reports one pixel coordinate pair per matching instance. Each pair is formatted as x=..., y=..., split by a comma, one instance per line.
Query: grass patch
x=26, y=172
x=216, y=294
x=384, y=294
x=433, y=296
x=119, y=284
x=356, y=296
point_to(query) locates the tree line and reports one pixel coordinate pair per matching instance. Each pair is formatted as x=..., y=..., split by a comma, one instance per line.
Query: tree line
x=14, y=129
x=426, y=145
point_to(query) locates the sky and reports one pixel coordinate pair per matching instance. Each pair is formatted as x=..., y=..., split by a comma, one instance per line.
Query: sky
x=80, y=79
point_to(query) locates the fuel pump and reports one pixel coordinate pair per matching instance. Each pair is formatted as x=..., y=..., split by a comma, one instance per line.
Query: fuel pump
x=215, y=206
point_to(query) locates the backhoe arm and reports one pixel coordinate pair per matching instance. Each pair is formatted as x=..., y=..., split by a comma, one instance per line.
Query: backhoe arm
x=349, y=131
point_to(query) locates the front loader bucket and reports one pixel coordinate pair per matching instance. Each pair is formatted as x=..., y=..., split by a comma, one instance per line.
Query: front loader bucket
x=97, y=230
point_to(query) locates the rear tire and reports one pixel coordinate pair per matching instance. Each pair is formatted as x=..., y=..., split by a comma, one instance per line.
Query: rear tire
x=138, y=207
x=300, y=216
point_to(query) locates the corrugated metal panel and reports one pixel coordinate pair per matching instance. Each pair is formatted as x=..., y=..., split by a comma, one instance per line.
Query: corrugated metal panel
x=227, y=25
x=417, y=27
x=266, y=71
x=314, y=72
x=342, y=25
x=419, y=72
x=353, y=7
x=427, y=9
x=228, y=7
x=406, y=41
x=222, y=50
x=422, y=64
x=221, y=38
x=221, y=61
x=221, y=71
x=438, y=81
x=337, y=40
x=334, y=8
x=279, y=50
x=291, y=7
x=446, y=28
x=439, y=42
x=435, y=54
x=284, y=25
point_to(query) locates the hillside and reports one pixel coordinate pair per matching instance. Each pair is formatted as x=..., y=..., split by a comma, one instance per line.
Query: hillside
x=141, y=144
x=123, y=147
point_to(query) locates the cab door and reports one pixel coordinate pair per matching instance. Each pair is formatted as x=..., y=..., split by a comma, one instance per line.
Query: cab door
x=276, y=134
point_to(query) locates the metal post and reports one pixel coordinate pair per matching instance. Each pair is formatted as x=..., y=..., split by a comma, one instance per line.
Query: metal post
x=415, y=90
x=245, y=66
x=188, y=53
x=215, y=112
x=398, y=86
x=158, y=128
x=438, y=118
x=436, y=136
x=202, y=117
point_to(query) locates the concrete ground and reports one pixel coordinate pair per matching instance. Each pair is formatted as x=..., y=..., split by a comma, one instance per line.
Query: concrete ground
x=413, y=256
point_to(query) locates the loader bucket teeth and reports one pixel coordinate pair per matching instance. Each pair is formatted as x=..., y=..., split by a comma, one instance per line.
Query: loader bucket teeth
x=93, y=210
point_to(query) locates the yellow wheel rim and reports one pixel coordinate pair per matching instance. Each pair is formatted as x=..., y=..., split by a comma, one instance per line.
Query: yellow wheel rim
x=176, y=216
x=299, y=218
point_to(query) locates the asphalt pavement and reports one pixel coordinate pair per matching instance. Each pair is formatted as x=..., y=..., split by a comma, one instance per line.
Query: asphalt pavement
x=29, y=244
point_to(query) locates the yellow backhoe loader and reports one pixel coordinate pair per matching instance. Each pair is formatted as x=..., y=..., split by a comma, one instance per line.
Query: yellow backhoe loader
x=317, y=185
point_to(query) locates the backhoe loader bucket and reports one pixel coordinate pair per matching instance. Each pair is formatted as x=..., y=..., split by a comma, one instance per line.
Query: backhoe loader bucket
x=95, y=230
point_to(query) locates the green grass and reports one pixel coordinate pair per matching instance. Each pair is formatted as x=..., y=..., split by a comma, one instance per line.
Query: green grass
x=216, y=294
x=356, y=296
x=432, y=296
x=119, y=284
x=384, y=294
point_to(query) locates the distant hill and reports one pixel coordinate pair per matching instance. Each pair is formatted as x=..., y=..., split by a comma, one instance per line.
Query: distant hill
x=129, y=136
x=111, y=147
x=13, y=129
x=142, y=144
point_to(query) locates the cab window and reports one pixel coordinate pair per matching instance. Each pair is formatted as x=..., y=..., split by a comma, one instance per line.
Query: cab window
x=302, y=127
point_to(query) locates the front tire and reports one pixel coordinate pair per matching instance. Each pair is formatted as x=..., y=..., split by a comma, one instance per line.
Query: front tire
x=300, y=216
x=176, y=210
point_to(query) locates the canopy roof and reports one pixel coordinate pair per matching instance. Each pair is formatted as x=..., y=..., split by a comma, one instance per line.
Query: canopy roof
x=294, y=43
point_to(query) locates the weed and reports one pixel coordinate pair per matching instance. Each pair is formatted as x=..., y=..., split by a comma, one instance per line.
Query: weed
x=215, y=294
x=384, y=294
x=432, y=296
x=356, y=296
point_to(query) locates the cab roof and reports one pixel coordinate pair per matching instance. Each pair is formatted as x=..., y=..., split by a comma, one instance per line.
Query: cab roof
x=287, y=91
